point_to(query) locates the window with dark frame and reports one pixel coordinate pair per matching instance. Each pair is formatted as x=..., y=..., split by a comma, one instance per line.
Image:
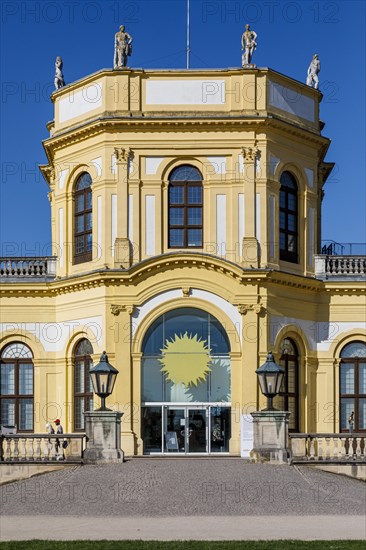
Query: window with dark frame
x=83, y=388
x=288, y=218
x=17, y=387
x=185, y=217
x=352, y=387
x=288, y=398
x=83, y=219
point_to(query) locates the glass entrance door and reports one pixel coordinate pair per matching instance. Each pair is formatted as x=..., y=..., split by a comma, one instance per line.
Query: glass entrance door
x=185, y=430
x=197, y=430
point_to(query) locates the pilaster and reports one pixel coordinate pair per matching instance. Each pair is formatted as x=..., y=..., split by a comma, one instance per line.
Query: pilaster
x=123, y=387
x=122, y=247
x=250, y=247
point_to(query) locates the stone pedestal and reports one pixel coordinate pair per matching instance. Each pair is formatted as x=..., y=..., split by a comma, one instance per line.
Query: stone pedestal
x=122, y=253
x=270, y=442
x=103, y=437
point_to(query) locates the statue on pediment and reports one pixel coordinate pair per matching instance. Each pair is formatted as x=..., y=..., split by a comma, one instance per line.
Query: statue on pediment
x=59, y=77
x=248, y=45
x=122, y=48
x=313, y=70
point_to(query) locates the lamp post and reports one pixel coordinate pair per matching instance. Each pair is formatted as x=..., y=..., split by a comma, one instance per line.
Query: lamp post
x=103, y=377
x=270, y=427
x=103, y=426
x=270, y=376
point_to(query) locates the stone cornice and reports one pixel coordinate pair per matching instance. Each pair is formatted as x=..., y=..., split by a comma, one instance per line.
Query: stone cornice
x=221, y=121
x=166, y=262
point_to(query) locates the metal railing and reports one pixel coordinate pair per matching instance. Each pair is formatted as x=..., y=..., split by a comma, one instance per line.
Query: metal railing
x=328, y=448
x=333, y=248
x=42, y=448
x=28, y=268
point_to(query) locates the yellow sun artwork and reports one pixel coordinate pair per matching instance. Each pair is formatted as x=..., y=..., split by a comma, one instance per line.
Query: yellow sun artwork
x=186, y=359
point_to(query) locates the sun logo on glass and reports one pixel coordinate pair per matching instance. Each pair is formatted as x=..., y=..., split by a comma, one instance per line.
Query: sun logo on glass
x=186, y=359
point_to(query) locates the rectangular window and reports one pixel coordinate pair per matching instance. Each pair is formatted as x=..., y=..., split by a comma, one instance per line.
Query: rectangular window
x=194, y=216
x=25, y=379
x=177, y=216
x=348, y=378
x=195, y=195
x=7, y=379
x=26, y=414
x=8, y=412
x=176, y=237
x=176, y=195
x=194, y=237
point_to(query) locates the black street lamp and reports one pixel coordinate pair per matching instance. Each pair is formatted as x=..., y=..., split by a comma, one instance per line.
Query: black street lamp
x=103, y=377
x=270, y=376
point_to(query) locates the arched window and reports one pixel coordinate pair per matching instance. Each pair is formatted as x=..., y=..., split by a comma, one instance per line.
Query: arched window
x=185, y=208
x=288, y=398
x=83, y=388
x=83, y=219
x=288, y=218
x=352, y=386
x=16, y=377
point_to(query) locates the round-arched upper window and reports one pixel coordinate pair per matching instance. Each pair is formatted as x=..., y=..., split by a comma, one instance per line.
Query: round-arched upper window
x=354, y=349
x=185, y=199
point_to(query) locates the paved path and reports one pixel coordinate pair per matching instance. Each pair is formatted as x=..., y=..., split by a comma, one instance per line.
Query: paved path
x=184, y=499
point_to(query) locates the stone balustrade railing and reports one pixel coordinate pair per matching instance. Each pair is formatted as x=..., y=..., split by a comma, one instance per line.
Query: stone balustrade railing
x=330, y=448
x=347, y=267
x=42, y=448
x=28, y=268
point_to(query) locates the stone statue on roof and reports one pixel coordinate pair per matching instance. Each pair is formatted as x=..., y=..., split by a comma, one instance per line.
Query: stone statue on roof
x=248, y=45
x=122, y=48
x=59, y=77
x=313, y=70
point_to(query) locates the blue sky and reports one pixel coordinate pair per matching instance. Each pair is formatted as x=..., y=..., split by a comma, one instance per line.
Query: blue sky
x=82, y=32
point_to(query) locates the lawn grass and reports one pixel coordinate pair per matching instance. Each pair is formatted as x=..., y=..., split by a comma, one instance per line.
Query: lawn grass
x=184, y=545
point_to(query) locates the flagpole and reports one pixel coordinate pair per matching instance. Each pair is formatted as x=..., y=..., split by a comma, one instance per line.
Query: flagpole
x=188, y=34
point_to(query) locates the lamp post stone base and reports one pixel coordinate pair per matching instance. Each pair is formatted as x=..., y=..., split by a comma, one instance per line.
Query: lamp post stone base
x=103, y=437
x=270, y=437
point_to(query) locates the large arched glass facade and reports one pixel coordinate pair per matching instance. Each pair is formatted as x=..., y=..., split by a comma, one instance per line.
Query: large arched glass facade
x=186, y=383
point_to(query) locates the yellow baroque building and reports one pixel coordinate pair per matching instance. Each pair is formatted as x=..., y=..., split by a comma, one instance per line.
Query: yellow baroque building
x=186, y=231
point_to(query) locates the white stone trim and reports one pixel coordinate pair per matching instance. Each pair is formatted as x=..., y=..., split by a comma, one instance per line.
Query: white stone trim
x=241, y=221
x=130, y=217
x=185, y=92
x=320, y=335
x=150, y=225
x=152, y=164
x=53, y=336
x=61, y=236
x=311, y=237
x=291, y=101
x=99, y=226
x=258, y=217
x=221, y=224
x=98, y=165
x=228, y=309
x=113, y=221
x=310, y=176
x=62, y=178
x=273, y=163
x=272, y=236
x=76, y=104
x=218, y=164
